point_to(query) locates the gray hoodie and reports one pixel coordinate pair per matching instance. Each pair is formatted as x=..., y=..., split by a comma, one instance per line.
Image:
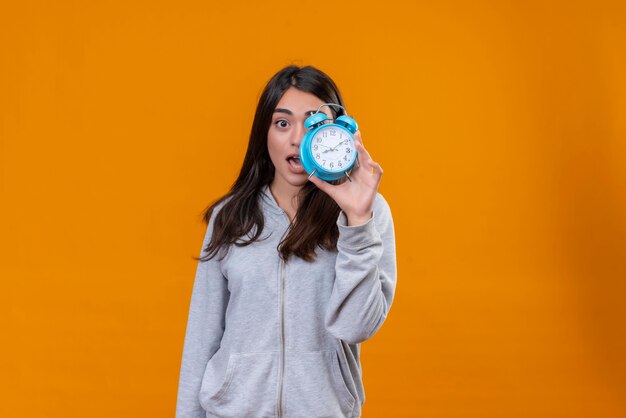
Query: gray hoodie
x=267, y=338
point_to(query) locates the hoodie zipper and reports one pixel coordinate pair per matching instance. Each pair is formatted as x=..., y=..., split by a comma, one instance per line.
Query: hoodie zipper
x=282, y=339
x=282, y=324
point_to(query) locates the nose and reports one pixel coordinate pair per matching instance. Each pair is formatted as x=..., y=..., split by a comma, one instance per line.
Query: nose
x=297, y=134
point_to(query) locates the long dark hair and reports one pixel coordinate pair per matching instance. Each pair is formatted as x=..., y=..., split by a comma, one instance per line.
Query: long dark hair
x=241, y=212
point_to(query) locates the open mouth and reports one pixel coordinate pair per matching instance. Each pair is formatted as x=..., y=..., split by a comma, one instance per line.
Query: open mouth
x=294, y=162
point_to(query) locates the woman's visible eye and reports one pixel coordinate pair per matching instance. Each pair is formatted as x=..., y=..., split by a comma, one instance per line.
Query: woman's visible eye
x=282, y=123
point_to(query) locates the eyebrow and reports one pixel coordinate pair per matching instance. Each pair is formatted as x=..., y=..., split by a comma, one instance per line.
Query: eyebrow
x=289, y=112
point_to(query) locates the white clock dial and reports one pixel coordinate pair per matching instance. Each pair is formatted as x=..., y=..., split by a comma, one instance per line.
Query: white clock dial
x=332, y=149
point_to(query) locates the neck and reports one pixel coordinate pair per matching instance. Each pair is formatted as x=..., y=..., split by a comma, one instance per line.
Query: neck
x=286, y=197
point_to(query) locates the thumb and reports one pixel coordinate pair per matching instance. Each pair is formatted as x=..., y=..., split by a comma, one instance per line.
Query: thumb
x=321, y=184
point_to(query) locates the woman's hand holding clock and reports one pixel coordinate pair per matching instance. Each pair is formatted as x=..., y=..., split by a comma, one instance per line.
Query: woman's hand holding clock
x=355, y=197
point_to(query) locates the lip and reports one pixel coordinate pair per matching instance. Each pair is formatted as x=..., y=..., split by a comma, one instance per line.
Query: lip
x=298, y=170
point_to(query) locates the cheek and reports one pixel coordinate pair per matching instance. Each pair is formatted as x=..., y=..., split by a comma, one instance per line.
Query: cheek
x=273, y=145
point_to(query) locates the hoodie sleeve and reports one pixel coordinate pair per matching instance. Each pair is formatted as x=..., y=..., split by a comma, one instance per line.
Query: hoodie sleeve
x=205, y=327
x=365, y=276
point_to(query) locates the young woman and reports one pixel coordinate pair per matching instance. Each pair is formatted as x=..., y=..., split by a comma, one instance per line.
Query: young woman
x=295, y=274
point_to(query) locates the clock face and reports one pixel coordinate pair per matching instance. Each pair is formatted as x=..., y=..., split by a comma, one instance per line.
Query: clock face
x=332, y=148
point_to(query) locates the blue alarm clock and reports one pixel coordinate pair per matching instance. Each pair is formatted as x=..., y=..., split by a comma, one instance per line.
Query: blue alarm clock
x=327, y=149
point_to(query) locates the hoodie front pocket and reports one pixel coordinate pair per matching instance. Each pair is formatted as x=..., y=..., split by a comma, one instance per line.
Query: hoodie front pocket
x=314, y=387
x=248, y=387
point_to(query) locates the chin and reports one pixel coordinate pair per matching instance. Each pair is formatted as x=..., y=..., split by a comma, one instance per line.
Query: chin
x=299, y=182
x=295, y=180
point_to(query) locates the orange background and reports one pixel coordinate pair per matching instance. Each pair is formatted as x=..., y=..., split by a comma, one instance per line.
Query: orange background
x=501, y=128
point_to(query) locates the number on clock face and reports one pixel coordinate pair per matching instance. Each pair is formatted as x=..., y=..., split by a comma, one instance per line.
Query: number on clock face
x=332, y=150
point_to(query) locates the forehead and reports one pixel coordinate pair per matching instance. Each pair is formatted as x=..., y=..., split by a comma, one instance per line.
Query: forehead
x=299, y=101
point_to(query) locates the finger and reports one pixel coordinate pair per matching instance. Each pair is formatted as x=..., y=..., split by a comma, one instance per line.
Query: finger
x=377, y=170
x=357, y=137
x=364, y=156
x=369, y=163
x=321, y=184
x=358, y=145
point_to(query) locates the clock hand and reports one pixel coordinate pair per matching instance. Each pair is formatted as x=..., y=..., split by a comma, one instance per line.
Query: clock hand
x=325, y=146
x=341, y=142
